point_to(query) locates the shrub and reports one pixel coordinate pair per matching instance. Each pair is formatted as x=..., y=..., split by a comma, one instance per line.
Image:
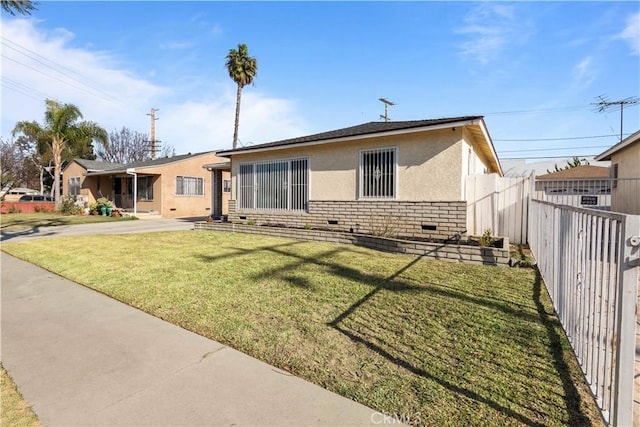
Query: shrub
x=486, y=238
x=14, y=209
x=69, y=206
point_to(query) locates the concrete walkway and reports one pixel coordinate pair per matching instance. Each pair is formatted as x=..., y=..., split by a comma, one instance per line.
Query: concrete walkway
x=81, y=358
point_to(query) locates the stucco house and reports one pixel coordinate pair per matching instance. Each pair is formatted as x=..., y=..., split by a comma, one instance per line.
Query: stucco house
x=625, y=174
x=177, y=186
x=404, y=178
x=586, y=186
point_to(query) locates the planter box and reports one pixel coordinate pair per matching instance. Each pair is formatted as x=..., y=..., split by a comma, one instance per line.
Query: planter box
x=443, y=251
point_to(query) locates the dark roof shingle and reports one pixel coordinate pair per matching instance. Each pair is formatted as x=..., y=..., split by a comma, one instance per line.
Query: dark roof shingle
x=363, y=129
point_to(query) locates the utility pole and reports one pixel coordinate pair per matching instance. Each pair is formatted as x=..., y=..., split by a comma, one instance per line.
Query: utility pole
x=153, y=132
x=386, y=103
x=604, y=105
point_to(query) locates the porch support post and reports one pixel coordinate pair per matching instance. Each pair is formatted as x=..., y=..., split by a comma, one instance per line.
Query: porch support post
x=132, y=172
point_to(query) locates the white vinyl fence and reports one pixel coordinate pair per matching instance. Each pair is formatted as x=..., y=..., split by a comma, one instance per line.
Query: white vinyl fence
x=499, y=204
x=588, y=260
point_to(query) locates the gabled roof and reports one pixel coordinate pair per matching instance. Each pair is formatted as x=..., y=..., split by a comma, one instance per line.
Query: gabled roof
x=359, y=130
x=579, y=172
x=377, y=129
x=122, y=168
x=94, y=165
x=628, y=141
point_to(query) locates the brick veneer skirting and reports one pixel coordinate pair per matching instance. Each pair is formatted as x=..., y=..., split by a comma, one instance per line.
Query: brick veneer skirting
x=440, y=220
x=441, y=251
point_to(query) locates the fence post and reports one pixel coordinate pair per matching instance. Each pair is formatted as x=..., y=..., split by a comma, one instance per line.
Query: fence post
x=628, y=275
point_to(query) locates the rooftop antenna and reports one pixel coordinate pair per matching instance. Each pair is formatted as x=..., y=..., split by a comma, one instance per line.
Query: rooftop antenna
x=386, y=103
x=604, y=105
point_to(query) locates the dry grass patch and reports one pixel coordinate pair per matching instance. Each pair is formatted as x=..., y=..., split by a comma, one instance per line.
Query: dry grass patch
x=435, y=343
x=15, y=411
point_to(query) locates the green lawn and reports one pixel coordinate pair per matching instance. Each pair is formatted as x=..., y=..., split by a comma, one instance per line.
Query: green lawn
x=15, y=411
x=435, y=343
x=23, y=221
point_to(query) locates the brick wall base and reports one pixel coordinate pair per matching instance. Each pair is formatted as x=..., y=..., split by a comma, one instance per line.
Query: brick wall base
x=440, y=251
x=438, y=220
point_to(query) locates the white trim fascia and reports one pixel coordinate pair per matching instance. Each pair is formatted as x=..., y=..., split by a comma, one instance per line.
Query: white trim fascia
x=485, y=132
x=619, y=146
x=355, y=137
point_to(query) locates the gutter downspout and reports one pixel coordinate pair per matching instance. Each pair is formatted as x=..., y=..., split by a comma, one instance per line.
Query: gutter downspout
x=132, y=171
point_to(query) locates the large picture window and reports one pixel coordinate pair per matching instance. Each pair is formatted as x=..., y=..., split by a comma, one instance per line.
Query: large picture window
x=74, y=186
x=145, y=188
x=275, y=185
x=378, y=173
x=189, y=186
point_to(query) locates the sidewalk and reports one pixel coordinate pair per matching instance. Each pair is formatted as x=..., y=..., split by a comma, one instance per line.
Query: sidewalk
x=81, y=358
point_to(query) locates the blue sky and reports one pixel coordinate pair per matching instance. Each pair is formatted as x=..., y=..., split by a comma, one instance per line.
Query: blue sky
x=532, y=68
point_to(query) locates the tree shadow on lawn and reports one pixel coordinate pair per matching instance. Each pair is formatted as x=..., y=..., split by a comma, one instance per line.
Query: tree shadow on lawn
x=400, y=358
x=393, y=353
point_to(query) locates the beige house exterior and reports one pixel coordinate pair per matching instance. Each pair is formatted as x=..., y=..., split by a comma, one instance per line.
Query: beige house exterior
x=625, y=171
x=178, y=186
x=409, y=176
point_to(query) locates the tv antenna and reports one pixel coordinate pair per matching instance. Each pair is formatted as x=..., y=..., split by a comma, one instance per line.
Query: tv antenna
x=604, y=105
x=387, y=104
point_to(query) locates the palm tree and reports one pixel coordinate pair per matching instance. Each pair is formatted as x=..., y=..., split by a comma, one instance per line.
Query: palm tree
x=242, y=69
x=23, y=7
x=61, y=134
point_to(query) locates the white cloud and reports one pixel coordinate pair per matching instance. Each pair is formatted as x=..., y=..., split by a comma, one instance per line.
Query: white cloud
x=584, y=73
x=489, y=28
x=631, y=33
x=39, y=64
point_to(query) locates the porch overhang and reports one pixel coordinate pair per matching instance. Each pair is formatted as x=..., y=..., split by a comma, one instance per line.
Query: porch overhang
x=223, y=166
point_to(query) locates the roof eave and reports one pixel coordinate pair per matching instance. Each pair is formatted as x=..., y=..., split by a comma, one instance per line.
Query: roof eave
x=230, y=153
x=619, y=146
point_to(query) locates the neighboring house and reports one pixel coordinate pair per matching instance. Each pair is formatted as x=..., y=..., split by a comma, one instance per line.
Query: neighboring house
x=395, y=178
x=625, y=172
x=586, y=186
x=175, y=186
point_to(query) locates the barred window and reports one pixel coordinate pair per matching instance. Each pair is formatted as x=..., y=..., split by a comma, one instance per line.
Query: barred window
x=226, y=186
x=145, y=188
x=189, y=186
x=378, y=171
x=275, y=185
x=74, y=186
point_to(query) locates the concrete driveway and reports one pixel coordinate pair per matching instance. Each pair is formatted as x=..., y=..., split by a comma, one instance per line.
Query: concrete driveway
x=116, y=227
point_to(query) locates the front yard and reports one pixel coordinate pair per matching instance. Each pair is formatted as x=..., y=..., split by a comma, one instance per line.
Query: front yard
x=16, y=222
x=433, y=343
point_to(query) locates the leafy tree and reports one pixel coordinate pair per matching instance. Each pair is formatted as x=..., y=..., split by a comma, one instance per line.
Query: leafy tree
x=10, y=164
x=242, y=69
x=36, y=162
x=62, y=136
x=23, y=7
x=127, y=146
x=574, y=163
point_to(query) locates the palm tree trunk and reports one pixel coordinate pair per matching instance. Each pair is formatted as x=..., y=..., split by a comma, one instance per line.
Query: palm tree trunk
x=235, y=130
x=56, y=148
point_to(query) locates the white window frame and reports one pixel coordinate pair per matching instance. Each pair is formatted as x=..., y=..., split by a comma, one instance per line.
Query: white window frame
x=361, y=172
x=226, y=186
x=196, y=178
x=251, y=202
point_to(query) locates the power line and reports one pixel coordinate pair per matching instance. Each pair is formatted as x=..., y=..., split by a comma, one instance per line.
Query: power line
x=554, y=149
x=546, y=157
x=56, y=78
x=555, y=139
x=56, y=66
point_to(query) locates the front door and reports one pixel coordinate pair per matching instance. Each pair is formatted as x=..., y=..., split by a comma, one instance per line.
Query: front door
x=123, y=192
